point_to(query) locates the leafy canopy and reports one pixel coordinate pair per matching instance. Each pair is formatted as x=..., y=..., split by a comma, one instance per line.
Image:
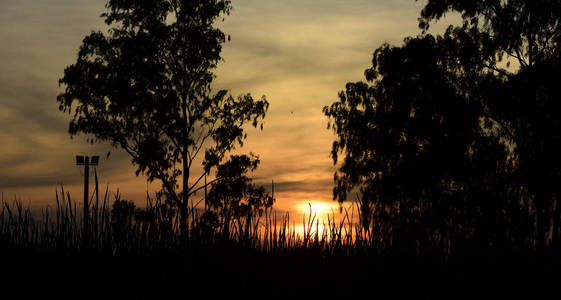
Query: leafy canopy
x=145, y=86
x=454, y=137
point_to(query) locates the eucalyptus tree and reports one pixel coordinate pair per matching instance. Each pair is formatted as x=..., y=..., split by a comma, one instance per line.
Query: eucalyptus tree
x=456, y=136
x=145, y=86
x=518, y=43
x=412, y=142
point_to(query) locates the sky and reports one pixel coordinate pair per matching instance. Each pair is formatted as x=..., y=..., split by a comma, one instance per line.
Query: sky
x=298, y=53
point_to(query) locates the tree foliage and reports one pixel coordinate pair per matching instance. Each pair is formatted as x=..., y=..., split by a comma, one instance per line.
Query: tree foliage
x=235, y=193
x=455, y=138
x=234, y=196
x=145, y=86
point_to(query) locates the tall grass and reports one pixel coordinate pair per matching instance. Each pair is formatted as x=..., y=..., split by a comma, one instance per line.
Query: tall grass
x=118, y=227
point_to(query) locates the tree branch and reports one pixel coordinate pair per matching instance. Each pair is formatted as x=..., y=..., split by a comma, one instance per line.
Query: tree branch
x=203, y=186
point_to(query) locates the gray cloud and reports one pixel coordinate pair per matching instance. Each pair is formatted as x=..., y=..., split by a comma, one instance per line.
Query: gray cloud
x=307, y=186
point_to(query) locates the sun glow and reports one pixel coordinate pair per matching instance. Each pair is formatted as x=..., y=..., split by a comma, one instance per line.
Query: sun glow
x=317, y=208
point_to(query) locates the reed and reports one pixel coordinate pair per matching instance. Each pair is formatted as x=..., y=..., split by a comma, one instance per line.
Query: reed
x=117, y=227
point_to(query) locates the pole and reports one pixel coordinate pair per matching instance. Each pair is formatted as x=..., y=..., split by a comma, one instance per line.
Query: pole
x=86, y=206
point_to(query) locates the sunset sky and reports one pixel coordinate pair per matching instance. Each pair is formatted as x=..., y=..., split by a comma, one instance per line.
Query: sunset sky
x=299, y=53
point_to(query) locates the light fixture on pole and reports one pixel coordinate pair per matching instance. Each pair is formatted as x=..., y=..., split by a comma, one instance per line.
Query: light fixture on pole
x=86, y=162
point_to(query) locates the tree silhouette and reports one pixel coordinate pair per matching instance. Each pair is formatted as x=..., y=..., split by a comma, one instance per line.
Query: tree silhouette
x=413, y=144
x=145, y=86
x=526, y=104
x=452, y=145
x=234, y=195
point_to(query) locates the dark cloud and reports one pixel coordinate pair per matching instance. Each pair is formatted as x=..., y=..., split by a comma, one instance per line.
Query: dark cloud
x=37, y=180
x=307, y=186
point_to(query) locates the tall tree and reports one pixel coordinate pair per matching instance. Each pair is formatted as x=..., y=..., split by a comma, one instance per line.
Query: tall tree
x=527, y=105
x=456, y=136
x=414, y=146
x=145, y=86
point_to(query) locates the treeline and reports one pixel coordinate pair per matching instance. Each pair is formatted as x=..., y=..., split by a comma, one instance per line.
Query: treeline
x=454, y=140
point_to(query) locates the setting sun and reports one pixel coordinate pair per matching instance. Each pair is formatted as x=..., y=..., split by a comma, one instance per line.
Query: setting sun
x=317, y=208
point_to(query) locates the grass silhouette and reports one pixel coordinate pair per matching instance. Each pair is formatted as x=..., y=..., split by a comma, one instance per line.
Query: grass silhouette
x=265, y=253
x=117, y=227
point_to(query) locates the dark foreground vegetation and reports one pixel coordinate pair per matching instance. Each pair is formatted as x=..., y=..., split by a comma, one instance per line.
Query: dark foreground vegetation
x=128, y=247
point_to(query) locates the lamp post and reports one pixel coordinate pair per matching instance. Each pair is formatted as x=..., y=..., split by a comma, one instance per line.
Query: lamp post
x=86, y=162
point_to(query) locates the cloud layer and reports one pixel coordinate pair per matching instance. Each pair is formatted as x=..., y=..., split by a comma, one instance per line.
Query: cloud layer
x=299, y=53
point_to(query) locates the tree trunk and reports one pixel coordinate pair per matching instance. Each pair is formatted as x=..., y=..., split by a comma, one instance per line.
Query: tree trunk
x=183, y=209
x=184, y=205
